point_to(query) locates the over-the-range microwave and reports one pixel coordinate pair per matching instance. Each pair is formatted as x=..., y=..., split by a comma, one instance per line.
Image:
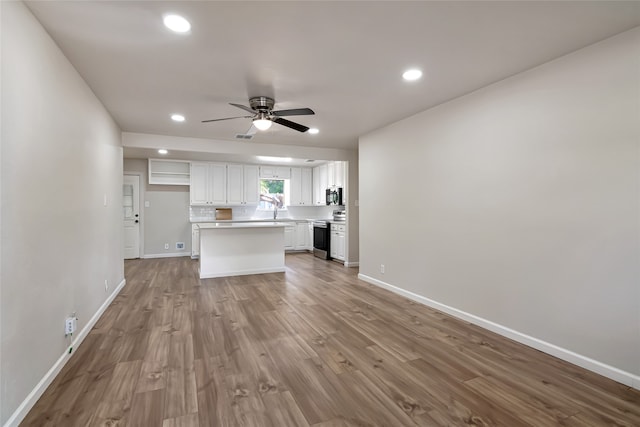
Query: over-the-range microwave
x=334, y=196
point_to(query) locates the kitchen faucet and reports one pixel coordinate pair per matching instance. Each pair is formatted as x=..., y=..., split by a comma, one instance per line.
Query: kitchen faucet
x=274, y=201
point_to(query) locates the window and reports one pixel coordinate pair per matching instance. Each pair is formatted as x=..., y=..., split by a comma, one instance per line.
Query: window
x=273, y=191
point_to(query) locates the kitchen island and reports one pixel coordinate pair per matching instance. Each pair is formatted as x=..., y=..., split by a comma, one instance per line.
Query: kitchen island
x=238, y=248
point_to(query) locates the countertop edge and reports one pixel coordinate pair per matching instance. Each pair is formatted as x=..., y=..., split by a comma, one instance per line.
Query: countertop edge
x=227, y=221
x=236, y=225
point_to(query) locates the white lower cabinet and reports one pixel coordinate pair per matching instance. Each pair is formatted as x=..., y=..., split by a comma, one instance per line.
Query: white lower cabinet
x=341, y=240
x=298, y=236
x=195, y=241
x=289, y=237
x=337, y=242
x=302, y=231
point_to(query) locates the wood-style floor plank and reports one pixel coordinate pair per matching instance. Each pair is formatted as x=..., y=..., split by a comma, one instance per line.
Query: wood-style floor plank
x=313, y=346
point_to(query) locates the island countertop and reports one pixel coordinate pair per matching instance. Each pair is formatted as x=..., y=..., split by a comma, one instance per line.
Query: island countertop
x=202, y=220
x=255, y=224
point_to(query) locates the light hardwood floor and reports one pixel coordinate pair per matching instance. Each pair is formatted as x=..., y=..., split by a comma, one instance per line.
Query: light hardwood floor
x=313, y=346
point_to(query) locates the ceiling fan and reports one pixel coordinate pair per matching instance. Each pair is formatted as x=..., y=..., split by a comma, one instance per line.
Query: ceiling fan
x=262, y=113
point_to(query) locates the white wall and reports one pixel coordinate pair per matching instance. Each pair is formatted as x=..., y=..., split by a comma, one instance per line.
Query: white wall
x=166, y=220
x=353, y=212
x=520, y=204
x=61, y=154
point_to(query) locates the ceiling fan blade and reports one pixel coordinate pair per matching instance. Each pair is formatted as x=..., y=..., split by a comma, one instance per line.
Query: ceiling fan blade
x=243, y=107
x=227, y=118
x=290, y=124
x=294, y=112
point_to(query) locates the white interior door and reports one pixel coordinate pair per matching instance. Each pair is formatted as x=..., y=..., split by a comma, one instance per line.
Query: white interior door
x=131, y=211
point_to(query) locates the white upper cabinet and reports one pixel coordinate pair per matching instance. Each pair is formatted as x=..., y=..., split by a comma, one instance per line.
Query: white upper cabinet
x=251, y=185
x=339, y=173
x=320, y=185
x=280, y=172
x=168, y=172
x=307, y=187
x=235, y=185
x=220, y=184
x=331, y=173
x=295, y=187
x=336, y=174
x=301, y=187
x=199, y=184
x=208, y=184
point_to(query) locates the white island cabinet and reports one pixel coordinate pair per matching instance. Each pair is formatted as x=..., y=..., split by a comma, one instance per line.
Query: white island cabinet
x=235, y=249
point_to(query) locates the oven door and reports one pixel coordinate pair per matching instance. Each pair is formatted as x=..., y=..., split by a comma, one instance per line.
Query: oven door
x=321, y=234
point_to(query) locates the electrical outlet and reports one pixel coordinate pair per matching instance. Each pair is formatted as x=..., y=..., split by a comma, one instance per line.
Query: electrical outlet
x=166, y=246
x=106, y=285
x=70, y=325
x=382, y=268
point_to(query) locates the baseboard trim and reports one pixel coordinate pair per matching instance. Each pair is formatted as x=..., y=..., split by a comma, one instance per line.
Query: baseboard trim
x=171, y=255
x=16, y=418
x=626, y=378
x=243, y=272
x=352, y=264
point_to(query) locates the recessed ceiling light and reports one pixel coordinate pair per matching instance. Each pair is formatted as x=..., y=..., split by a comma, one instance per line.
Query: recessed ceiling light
x=162, y=151
x=274, y=159
x=411, y=75
x=177, y=117
x=313, y=131
x=177, y=23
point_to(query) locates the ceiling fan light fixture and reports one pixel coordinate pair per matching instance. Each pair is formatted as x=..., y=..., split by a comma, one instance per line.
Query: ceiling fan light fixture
x=262, y=122
x=263, y=115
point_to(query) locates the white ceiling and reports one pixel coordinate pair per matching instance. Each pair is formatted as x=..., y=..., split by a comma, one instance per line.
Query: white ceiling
x=342, y=59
